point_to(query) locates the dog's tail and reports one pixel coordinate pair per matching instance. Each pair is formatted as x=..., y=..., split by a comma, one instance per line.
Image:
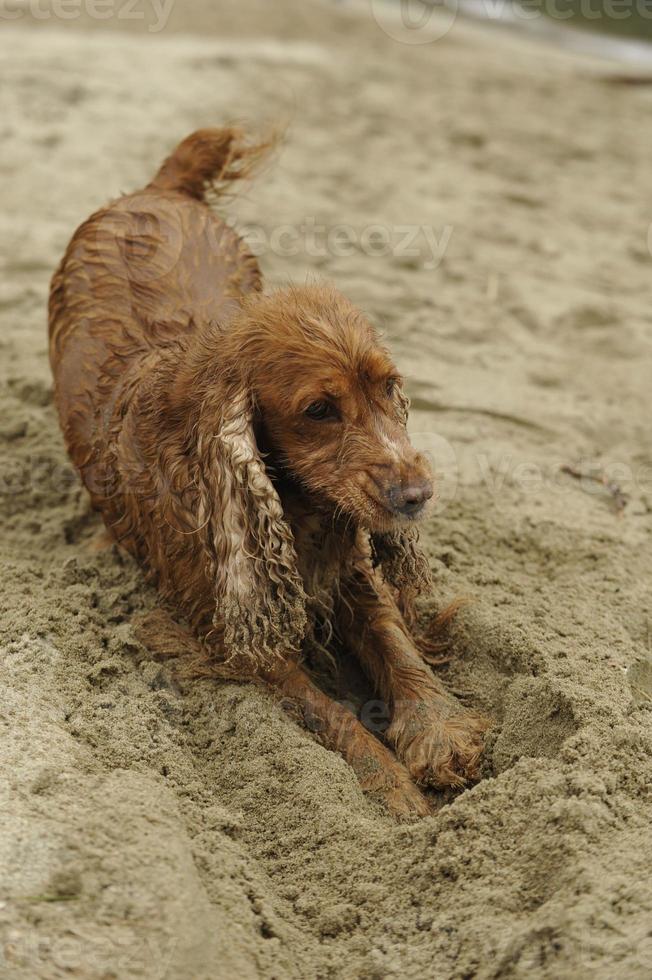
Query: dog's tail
x=208, y=159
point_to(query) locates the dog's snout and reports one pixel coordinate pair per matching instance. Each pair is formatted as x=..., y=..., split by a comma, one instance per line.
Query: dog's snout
x=409, y=500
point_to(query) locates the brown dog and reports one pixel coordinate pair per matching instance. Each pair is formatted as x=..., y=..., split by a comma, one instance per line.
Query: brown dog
x=251, y=451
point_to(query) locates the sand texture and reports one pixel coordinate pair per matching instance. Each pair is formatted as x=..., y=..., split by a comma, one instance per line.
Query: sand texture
x=158, y=828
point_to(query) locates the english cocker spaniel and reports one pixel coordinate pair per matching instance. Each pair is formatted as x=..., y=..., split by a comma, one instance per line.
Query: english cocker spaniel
x=250, y=449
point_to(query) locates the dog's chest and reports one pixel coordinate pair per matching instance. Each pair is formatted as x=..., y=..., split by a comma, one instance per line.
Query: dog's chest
x=322, y=557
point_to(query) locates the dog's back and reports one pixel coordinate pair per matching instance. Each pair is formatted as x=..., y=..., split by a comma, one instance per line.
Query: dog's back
x=138, y=275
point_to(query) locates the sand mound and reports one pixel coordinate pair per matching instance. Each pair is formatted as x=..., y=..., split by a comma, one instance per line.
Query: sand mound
x=152, y=828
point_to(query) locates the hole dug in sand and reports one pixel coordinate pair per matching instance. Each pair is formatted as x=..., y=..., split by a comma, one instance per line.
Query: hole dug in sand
x=537, y=720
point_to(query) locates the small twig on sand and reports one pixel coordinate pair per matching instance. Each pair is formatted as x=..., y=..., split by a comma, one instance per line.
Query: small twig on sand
x=641, y=693
x=625, y=79
x=618, y=497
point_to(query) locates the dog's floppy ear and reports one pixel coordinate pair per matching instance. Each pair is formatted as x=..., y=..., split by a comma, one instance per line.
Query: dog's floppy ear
x=260, y=602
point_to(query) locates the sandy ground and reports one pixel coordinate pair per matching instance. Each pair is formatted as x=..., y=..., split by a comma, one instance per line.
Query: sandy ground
x=191, y=831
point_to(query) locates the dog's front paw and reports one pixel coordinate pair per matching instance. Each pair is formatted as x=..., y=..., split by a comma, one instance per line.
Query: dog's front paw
x=436, y=747
x=385, y=779
x=405, y=803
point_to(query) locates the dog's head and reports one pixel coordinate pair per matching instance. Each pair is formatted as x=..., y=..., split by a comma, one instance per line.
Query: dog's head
x=300, y=375
x=332, y=408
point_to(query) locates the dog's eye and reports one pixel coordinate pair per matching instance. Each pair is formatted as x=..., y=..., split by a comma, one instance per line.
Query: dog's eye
x=320, y=410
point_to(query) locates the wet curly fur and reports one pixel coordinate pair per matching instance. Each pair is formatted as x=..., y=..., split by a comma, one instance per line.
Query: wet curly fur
x=250, y=449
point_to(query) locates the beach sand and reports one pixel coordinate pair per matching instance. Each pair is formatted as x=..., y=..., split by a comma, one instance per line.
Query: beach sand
x=157, y=828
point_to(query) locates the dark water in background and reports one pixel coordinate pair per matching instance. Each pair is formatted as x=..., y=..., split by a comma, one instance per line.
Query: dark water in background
x=619, y=30
x=624, y=18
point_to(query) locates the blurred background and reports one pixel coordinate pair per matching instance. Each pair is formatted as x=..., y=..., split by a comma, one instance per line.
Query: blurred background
x=477, y=178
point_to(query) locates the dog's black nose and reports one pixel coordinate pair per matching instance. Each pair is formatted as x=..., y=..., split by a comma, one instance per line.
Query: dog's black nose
x=409, y=500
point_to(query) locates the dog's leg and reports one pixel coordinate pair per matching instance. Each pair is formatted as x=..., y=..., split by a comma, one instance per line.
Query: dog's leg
x=439, y=741
x=377, y=768
x=378, y=771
